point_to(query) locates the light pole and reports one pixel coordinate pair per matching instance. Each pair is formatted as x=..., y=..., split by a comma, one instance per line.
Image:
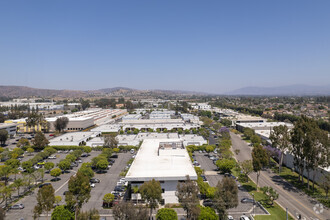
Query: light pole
x=253, y=204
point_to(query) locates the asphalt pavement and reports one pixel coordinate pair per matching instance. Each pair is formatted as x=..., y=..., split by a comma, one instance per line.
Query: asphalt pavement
x=289, y=197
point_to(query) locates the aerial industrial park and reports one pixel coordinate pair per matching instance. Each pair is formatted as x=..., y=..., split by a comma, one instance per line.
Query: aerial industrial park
x=122, y=150
x=164, y=110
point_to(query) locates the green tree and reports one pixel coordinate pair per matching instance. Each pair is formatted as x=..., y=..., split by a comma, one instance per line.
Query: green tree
x=61, y=123
x=207, y=213
x=87, y=149
x=248, y=132
x=151, y=191
x=110, y=141
x=108, y=199
x=280, y=138
x=58, y=199
x=30, y=150
x=46, y=199
x=209, y=148
x=247, y=168
x=126, y=210
x=18, y=183
x=64, y=165
x=40, y=141
x=86, y=170
x=49, y=165
x=80, y=189
x=23, y=142
x=226, y=196
x=33, y=119
x=71, y=158
x=270, y=194
x=225, y=165
x=61, y=213
x=5, y=171
x=166, y=214
x=56, y=172
x=187, y=193
x=3, y=136
x=259, y=160
x=6, y=192
x=92, y=214
x=102, y=164
x=255, y=140
x=325, y=184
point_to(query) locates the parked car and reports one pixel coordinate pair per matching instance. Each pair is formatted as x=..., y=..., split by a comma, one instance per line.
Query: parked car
x=208, y=203
x=79, y=161
x=132, y=151
x=229, y=217
x=44, y=184
x=114, y=156
x=65, y=192
x=247, y=200
x=18, y=206
x=42, y=163
x=204, y=178
x=92, y=185
x=84, y=155
x=119, y=188
x=244, y=217
x=21, y=169
x=52, y=157
x=94, y=180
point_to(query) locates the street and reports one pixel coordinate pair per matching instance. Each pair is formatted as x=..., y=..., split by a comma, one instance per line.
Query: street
x=289, y=196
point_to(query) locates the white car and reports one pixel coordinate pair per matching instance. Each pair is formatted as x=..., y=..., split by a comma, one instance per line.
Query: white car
x=92, y=185
x=244, y=217
x=230, y=217
x=52, y=157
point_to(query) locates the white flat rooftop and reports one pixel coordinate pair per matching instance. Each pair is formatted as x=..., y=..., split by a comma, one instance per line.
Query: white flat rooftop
x=170, y=164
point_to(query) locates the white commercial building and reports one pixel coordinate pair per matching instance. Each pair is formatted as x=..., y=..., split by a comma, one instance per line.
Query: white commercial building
x=73, y=138
x=161, y=124
x=165, y=160
x=201, y=106
x=11, y=128
x=107, y=128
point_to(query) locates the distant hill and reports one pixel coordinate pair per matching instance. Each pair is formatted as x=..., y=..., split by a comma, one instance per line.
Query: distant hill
x=24, y=91
x=291, y=90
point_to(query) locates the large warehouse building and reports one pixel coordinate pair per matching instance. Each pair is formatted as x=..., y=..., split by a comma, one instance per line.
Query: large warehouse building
x=165, y=160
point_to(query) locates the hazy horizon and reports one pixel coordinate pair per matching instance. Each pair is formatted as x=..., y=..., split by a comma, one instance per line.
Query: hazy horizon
x=212, y=47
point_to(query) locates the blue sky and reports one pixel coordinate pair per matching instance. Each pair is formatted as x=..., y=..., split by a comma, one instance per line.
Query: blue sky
x=211, y=46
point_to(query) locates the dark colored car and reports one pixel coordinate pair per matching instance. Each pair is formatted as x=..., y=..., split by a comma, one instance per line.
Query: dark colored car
x=208, y=203
x=247, y=200
x=119, y=189
x=114, y=156
x=44, y=184
x=204, y=178
x=94, y=180
x=101, y=171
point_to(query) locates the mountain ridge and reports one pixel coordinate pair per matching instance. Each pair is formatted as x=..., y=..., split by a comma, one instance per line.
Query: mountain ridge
x=297, y=89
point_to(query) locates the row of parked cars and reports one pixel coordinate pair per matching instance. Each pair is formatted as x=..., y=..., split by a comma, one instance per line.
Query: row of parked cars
x=120, y=188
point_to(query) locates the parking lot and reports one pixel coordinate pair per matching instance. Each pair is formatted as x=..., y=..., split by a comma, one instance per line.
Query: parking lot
x=107, y=183
x=214, y=176
x=60, y=186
